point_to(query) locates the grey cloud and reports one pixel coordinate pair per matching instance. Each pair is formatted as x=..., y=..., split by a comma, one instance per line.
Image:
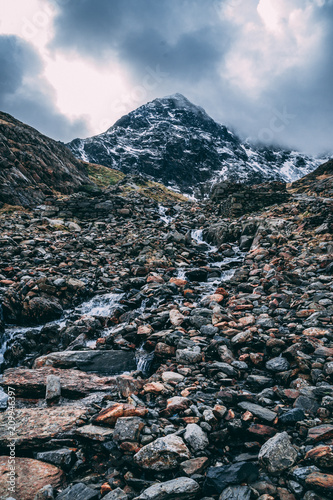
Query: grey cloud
x=27, y=96
x=189, y=41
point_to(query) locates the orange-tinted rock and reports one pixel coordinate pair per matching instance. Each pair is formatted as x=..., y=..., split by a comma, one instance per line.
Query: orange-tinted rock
x=154, y=387
x=321, y=456
x=222, y=291
x=285, y=494
x=164, y=350
x=262, y=430
x=30, y=476
x=194, y=466
x=73, y=382
x=144, y=330
x=320, y=433
x=155, y=278
x=315, y=332
x=176, y=317
x=246, y=321
x=175, y=405
x=110, y=415
x=215, y=297
x=178, y=281
x=320, y=481
x=36, y=425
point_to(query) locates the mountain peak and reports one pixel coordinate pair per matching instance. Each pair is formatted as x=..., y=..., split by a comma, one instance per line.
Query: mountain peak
x=180, y=102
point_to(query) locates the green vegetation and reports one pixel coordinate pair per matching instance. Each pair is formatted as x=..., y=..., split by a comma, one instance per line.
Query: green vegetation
x=103, y=176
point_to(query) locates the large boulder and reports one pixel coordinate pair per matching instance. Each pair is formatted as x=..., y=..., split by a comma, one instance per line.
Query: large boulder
x=30, y=476
x=106, y=362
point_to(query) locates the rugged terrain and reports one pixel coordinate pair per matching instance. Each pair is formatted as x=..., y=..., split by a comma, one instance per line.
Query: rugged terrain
x=161, y=350
x=177, y=143
x=33, y=166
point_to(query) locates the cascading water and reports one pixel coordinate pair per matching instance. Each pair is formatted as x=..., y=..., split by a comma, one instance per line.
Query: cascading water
x=144, y=360
x=162, y=213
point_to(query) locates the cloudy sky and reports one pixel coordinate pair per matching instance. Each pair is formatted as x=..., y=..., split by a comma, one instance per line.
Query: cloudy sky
x=263, y=67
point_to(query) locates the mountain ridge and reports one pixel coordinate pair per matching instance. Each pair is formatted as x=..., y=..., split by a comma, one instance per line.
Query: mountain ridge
x=176, y=142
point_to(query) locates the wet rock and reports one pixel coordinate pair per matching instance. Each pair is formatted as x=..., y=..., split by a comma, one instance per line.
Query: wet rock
x=277, y=454
x=176, y=489
x=78, y=491
x=42, y=309
x=107, y=362
x=195, y=437
x=320, y=433
x=162, y=454
x=197, y=275
x=236, y=493
x=30, y=476
x=322, y=456
x=218, y=478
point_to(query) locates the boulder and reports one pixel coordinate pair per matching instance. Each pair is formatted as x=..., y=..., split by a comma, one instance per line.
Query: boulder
x=30, y=476
x=162, y=454
x=277, y=454
x=182, y=488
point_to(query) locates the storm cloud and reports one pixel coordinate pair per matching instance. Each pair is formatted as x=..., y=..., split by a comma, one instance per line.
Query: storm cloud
x=261, y=67
x=25, y=93
x=245, y=67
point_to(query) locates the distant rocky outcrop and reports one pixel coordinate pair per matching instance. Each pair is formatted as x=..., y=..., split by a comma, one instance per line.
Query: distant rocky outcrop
x=33, y=165
x=236, y=199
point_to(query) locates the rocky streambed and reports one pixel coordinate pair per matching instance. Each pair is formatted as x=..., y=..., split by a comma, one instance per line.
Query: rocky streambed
x=161, y=352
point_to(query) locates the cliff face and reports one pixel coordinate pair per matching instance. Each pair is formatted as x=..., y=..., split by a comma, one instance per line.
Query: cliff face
x=33, y=165
x=319, y=182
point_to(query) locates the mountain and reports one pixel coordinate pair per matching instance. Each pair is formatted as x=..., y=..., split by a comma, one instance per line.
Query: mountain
x=32, y=165
x=177, y=143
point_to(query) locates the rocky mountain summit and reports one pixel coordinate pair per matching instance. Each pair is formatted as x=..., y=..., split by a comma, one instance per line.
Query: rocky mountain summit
x=178, y=144
x=33, y=166
x=161, y=350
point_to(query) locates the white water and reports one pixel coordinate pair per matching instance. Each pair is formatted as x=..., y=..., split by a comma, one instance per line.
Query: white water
x=100, y=305
x=162, y=212
x=197, y=236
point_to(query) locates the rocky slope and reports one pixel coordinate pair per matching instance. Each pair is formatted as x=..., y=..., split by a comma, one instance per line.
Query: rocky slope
x=318, y=183
x=33, y=165
x=227, y=349
x=177, y=143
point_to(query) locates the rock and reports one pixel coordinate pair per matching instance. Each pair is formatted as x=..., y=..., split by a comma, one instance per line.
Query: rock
x=42, y=309
x=195, y=437
x=189, y=356
x=45, y=493
x=322, y=456
x=107, y=362
x=162, y=454
x=278, y=364
x=236, y=493
x=128, y=429
x=176, y=489
x=218, y=478
x=320, y=433
x=53, y=388
x=176, y=317
x=175, y=405
x=30, y=476
x=110, y=415
x=32, y=383
x=95, y=432
x=36, y=425
x=170, y=377
x=197, y=275
x=63, y=458
x=292, y=416
x=320, y=482
x=277, y=454
x=258, y=411
x=117, y=494
x=194, y=465
x=78, y=491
